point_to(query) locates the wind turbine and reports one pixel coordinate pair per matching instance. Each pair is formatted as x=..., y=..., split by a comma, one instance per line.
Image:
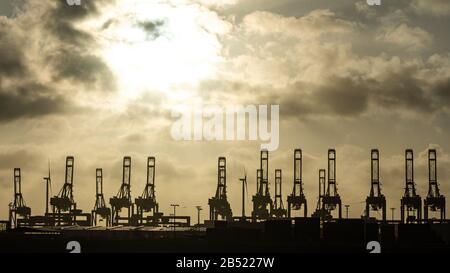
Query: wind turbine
x=244, y=191
x=48, y=181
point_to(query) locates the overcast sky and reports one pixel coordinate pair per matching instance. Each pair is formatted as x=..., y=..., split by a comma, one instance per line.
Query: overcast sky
x=99, y=81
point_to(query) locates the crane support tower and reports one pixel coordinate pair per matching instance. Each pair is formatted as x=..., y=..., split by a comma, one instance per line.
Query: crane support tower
x=63, y=205
x=100, y=209
x=262, y=202
x=434, y=201
x=278, y=209
x=147, y=201
x=123, y=198
x=411, y=202
x=219, y=205
x=332, y=200
x=19, y=213
x=376, y=200
x=321, y=212
x=297, y=198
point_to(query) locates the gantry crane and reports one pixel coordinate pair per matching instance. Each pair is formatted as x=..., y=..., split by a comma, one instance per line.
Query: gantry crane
x=19, y=213
x=63, y=205
x=278, y=210
x=434, y=201
x=219, y=205
x=123, y=198
x=411, y=201
x=147, y=201
x=331, y=200
x=321, y=212
x=100, y=208
x=262, y=202
x=376, y=200
x=297, y=198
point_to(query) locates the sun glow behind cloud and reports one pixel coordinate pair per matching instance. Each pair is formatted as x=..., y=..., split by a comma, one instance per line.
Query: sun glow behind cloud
x=181, y=48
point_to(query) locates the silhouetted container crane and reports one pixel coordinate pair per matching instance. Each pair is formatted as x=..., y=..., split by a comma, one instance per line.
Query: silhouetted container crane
x=297, y=198
x=410, y=202
x=64, y=208
x=147, y=201
x=434, y=201
x=331, y=200
x=100, y=208
x=376, y=200
x=123, y=198
x=278, y=210
x=63, y=205
x=321, y=212
x=219, y=205
x=262, y=202
x=19, y=213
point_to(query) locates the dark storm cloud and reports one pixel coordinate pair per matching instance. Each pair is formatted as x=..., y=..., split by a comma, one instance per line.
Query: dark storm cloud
x=30, y=100
x=338, y=97
x=400, y=90
x=61, y=18
x=23, y=92
x=83, y=68
x=21, y=95
x=298, y=108
x=12, y=60
x=346, y=97
x=72, y=59
x=352, y=77
x=442, y=91
x=342, y=96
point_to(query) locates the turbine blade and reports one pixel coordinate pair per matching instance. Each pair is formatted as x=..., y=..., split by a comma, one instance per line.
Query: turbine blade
x=246, y=189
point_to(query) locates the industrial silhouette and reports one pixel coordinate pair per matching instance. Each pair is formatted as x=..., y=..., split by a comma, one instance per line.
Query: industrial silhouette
x=18, y=209
x=145, y=204
x=219, y=205
x=330, y=199
x=297, y=199
x=411, y=202
x=278, y=210
x=100, y=208
x=434, y=201
x=244, y=191
x=123, y=198
x=147, y=201
x=64, y=207
x=262, y=202
x=376, y=200
x=321, y=211
x=270, y=223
